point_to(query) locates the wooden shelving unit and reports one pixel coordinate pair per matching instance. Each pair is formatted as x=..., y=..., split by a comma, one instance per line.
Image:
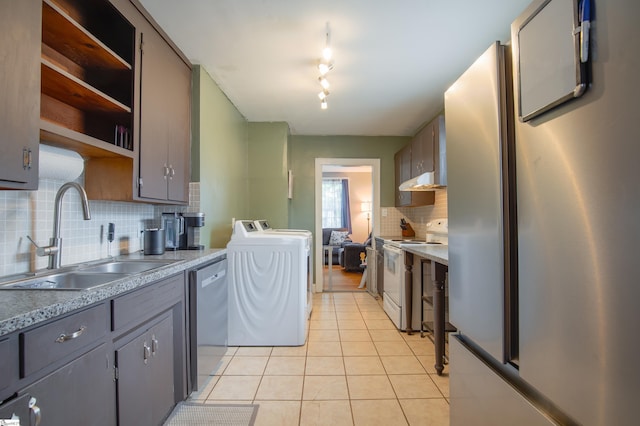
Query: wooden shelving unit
x=66, y=36
x=87, y=80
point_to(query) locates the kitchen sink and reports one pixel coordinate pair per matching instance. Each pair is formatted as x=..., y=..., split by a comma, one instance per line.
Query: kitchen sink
x=127, y=266
x=66, y=281
x=81, y=277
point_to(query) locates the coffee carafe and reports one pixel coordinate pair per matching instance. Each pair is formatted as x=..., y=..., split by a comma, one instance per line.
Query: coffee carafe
x=173, y=225
x=188, y=238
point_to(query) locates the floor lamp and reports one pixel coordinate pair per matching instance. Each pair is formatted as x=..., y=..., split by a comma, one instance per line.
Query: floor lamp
x=365, y=207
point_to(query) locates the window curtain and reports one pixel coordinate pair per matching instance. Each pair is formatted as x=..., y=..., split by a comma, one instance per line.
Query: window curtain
x=346, y=208
x=336, y=212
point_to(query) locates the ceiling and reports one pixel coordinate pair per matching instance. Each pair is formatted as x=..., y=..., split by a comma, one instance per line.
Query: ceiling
x=393, y=60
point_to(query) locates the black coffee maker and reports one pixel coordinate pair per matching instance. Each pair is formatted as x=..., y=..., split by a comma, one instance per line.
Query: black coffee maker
x=188, y=238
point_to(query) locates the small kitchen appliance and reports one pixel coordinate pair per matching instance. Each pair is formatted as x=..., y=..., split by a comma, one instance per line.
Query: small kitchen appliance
x=173, y=225
x=153, y=241
x=188, y=237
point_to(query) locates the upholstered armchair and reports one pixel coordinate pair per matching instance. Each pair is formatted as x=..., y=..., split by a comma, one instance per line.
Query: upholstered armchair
x=351, y=255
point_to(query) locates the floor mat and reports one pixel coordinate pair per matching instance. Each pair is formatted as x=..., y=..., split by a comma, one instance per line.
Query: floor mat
x=191, y=413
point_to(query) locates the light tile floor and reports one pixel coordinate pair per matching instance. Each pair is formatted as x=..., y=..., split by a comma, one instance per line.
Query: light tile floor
x=356, y=369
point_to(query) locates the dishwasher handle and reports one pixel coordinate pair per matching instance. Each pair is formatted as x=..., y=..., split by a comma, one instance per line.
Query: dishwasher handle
x=213, y=278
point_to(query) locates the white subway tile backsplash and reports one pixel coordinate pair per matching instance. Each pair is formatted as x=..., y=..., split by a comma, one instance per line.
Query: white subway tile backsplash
x=30, y=213
x=418, y=217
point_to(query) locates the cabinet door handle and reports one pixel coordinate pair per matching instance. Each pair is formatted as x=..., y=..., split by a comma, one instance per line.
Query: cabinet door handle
x=154, y=345
x=35, y=411
x=172, y=171
x=26, y=158
x=65, y=337
x=147, y=353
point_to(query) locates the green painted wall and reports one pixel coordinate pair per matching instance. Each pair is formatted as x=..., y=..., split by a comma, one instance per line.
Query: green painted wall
x=221, y=159
x=305, y=149
x=268, y=166
x=242, y=167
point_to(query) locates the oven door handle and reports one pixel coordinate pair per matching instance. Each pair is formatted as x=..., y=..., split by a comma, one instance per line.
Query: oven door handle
x=393, y=250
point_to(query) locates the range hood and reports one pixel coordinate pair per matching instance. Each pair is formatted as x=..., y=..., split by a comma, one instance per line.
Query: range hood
x=424, y=182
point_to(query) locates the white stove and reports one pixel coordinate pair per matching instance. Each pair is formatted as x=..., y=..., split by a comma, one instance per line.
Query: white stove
x=437, y=234
x=394, y=286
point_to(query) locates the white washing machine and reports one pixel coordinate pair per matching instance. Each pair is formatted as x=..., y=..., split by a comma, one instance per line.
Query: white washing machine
x=268, y=281
x=265, y=226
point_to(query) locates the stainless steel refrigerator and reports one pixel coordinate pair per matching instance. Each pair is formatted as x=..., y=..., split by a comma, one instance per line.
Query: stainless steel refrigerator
x=544, y=237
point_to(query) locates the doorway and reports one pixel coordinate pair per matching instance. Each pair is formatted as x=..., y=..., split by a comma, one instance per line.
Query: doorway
x=361, y=200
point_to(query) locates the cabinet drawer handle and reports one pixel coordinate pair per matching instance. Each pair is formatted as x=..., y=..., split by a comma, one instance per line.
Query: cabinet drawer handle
x=35, y=411
x=64, y=337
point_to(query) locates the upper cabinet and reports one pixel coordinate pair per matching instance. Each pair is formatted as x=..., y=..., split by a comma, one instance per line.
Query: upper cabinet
x=404, y=171
x=429, y=151
x=426, y=153
x=422, y=151
x=99, y=78
x=20, y=26
x=87, y=77
x=162, y=123
x=165, y=130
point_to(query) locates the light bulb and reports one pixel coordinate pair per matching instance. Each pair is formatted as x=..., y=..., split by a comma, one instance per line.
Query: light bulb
x=323, y=68
x=323, y=104
x=324, y=82
x=326, y=53
x=322, y=95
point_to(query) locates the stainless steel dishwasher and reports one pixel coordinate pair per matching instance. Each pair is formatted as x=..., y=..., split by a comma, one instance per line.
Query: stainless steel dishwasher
x=207, y=321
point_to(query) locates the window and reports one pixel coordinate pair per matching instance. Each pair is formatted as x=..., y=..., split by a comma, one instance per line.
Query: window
x=335, y=203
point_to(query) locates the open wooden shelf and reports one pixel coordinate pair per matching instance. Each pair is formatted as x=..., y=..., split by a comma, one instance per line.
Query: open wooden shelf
x=87, y=78
x=69, y=38
x=83, y=144
x=63, y=86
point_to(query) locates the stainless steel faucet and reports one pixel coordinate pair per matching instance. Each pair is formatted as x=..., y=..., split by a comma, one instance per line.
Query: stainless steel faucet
x=54, y=249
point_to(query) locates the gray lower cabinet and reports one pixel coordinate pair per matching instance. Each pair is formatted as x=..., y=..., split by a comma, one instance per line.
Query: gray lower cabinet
x=17, y=408
x=9, y=366
x=145, y=379
x=80, y=393
x=121, y=362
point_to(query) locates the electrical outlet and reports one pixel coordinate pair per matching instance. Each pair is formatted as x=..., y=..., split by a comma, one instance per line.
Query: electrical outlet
x=384, y=212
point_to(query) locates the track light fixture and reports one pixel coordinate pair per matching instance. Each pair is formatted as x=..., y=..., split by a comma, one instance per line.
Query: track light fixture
x=324, y=66
x=324, y=82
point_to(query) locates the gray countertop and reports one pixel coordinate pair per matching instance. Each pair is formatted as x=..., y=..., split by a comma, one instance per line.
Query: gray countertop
x=437, y=253
x=23, y=308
